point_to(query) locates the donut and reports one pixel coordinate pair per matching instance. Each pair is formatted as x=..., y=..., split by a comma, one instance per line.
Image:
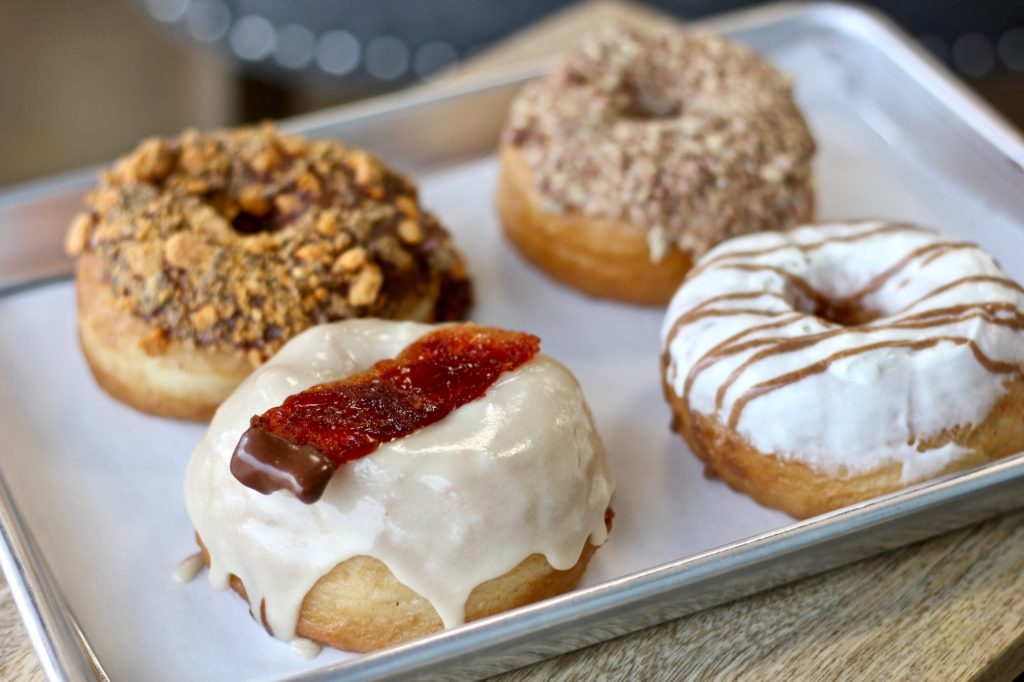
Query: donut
x=199, y=256
x=641, y=150
x=377, y=480
x=833, y=363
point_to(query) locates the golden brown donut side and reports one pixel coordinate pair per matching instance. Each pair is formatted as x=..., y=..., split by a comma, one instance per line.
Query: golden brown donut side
x=601, y=258
x=360, y=606
x=802, y=491
x=139, y=366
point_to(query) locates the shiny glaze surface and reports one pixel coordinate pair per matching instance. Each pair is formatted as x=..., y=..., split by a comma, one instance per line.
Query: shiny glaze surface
x=518, y=472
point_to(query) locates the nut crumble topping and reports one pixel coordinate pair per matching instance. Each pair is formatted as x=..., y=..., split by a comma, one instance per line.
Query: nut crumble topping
x=685, y=135
x=243, y=238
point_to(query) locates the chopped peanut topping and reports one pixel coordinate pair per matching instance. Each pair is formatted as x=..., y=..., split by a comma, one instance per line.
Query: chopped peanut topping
x=365, y=286
x=287, y=204
x=367, y=170
x=240, y=239
x=144, y=259
x=152, y=162
x=328, y=223
x=78, y=234
x=311, y=253
x=409, y=231
x=352, y=259
x=407, y=205
x=185, y=250
x=266, y=159
x=252, y=201
x=307, y=182
x=205, y=317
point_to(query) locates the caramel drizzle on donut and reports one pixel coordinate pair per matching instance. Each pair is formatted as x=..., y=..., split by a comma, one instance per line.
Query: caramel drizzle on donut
x=765, y=387
x=775, y=345
x=779, y=346
x=931, y=251
x=726, y=312
x=736, y=296
x=813, y=246
x=727, y=347
x=795, y=281
x=702, y=310
x=973, y=279
x=691, y=377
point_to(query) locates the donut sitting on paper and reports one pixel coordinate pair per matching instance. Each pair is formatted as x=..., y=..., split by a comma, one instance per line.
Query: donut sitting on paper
x=376, y=481
x=833, y=363
x=199, y=256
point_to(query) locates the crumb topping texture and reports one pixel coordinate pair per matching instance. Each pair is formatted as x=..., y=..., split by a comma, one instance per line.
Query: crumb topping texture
x=243, y=238
x=685, y=135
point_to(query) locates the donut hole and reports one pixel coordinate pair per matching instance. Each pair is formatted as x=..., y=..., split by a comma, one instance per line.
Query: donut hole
x=251, y=223
x=645, y=103
x=844, y=314
x=651, y=109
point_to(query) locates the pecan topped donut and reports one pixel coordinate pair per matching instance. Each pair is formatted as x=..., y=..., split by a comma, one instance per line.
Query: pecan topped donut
x=224, y=245
x=662, y=143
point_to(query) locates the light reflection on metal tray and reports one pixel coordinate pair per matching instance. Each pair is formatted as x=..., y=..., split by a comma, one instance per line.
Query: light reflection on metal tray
x=895, y=85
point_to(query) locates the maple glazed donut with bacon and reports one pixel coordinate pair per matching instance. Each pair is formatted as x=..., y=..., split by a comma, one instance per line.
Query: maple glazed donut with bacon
x=640, y=150
x=199, y=256
x=376, y=481
x=829, y=364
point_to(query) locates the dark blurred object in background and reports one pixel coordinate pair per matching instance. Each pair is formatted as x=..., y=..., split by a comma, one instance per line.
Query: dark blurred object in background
x=81, y=86
x=374, y=44
x=82, y=82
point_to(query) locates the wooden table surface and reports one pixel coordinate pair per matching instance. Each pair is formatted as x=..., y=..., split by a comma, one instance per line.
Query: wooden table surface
x=950, y=608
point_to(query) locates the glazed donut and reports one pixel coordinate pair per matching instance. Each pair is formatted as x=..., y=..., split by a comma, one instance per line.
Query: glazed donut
x=358, y=540
x=642, y=150
x=815, y=368
x=200, y=256
x=360, y=606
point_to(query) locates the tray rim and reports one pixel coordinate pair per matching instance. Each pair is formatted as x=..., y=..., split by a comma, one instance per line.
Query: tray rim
x=63, y=649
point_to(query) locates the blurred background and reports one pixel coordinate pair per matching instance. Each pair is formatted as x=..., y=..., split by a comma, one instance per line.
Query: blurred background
x=82, y=82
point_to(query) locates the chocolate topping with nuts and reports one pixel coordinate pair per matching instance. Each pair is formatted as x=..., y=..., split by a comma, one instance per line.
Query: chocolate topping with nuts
x=243, y=238
x=685, y=135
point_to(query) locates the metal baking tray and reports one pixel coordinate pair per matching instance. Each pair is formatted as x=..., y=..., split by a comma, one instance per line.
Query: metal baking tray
x=926, y=122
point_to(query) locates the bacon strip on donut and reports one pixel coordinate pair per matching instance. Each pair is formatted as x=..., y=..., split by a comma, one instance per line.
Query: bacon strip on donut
x=297, y=445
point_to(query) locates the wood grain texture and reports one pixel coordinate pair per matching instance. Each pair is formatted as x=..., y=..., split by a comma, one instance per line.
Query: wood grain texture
x=950, y=608
x=18, y=662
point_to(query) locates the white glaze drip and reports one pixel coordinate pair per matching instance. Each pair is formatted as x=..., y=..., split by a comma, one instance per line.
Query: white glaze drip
x=188, y=569
x=852, y=399
x=304, y=649
x=424, y=505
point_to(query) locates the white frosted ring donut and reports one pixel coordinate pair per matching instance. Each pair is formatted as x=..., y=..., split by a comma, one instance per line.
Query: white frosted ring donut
x=828, y=364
